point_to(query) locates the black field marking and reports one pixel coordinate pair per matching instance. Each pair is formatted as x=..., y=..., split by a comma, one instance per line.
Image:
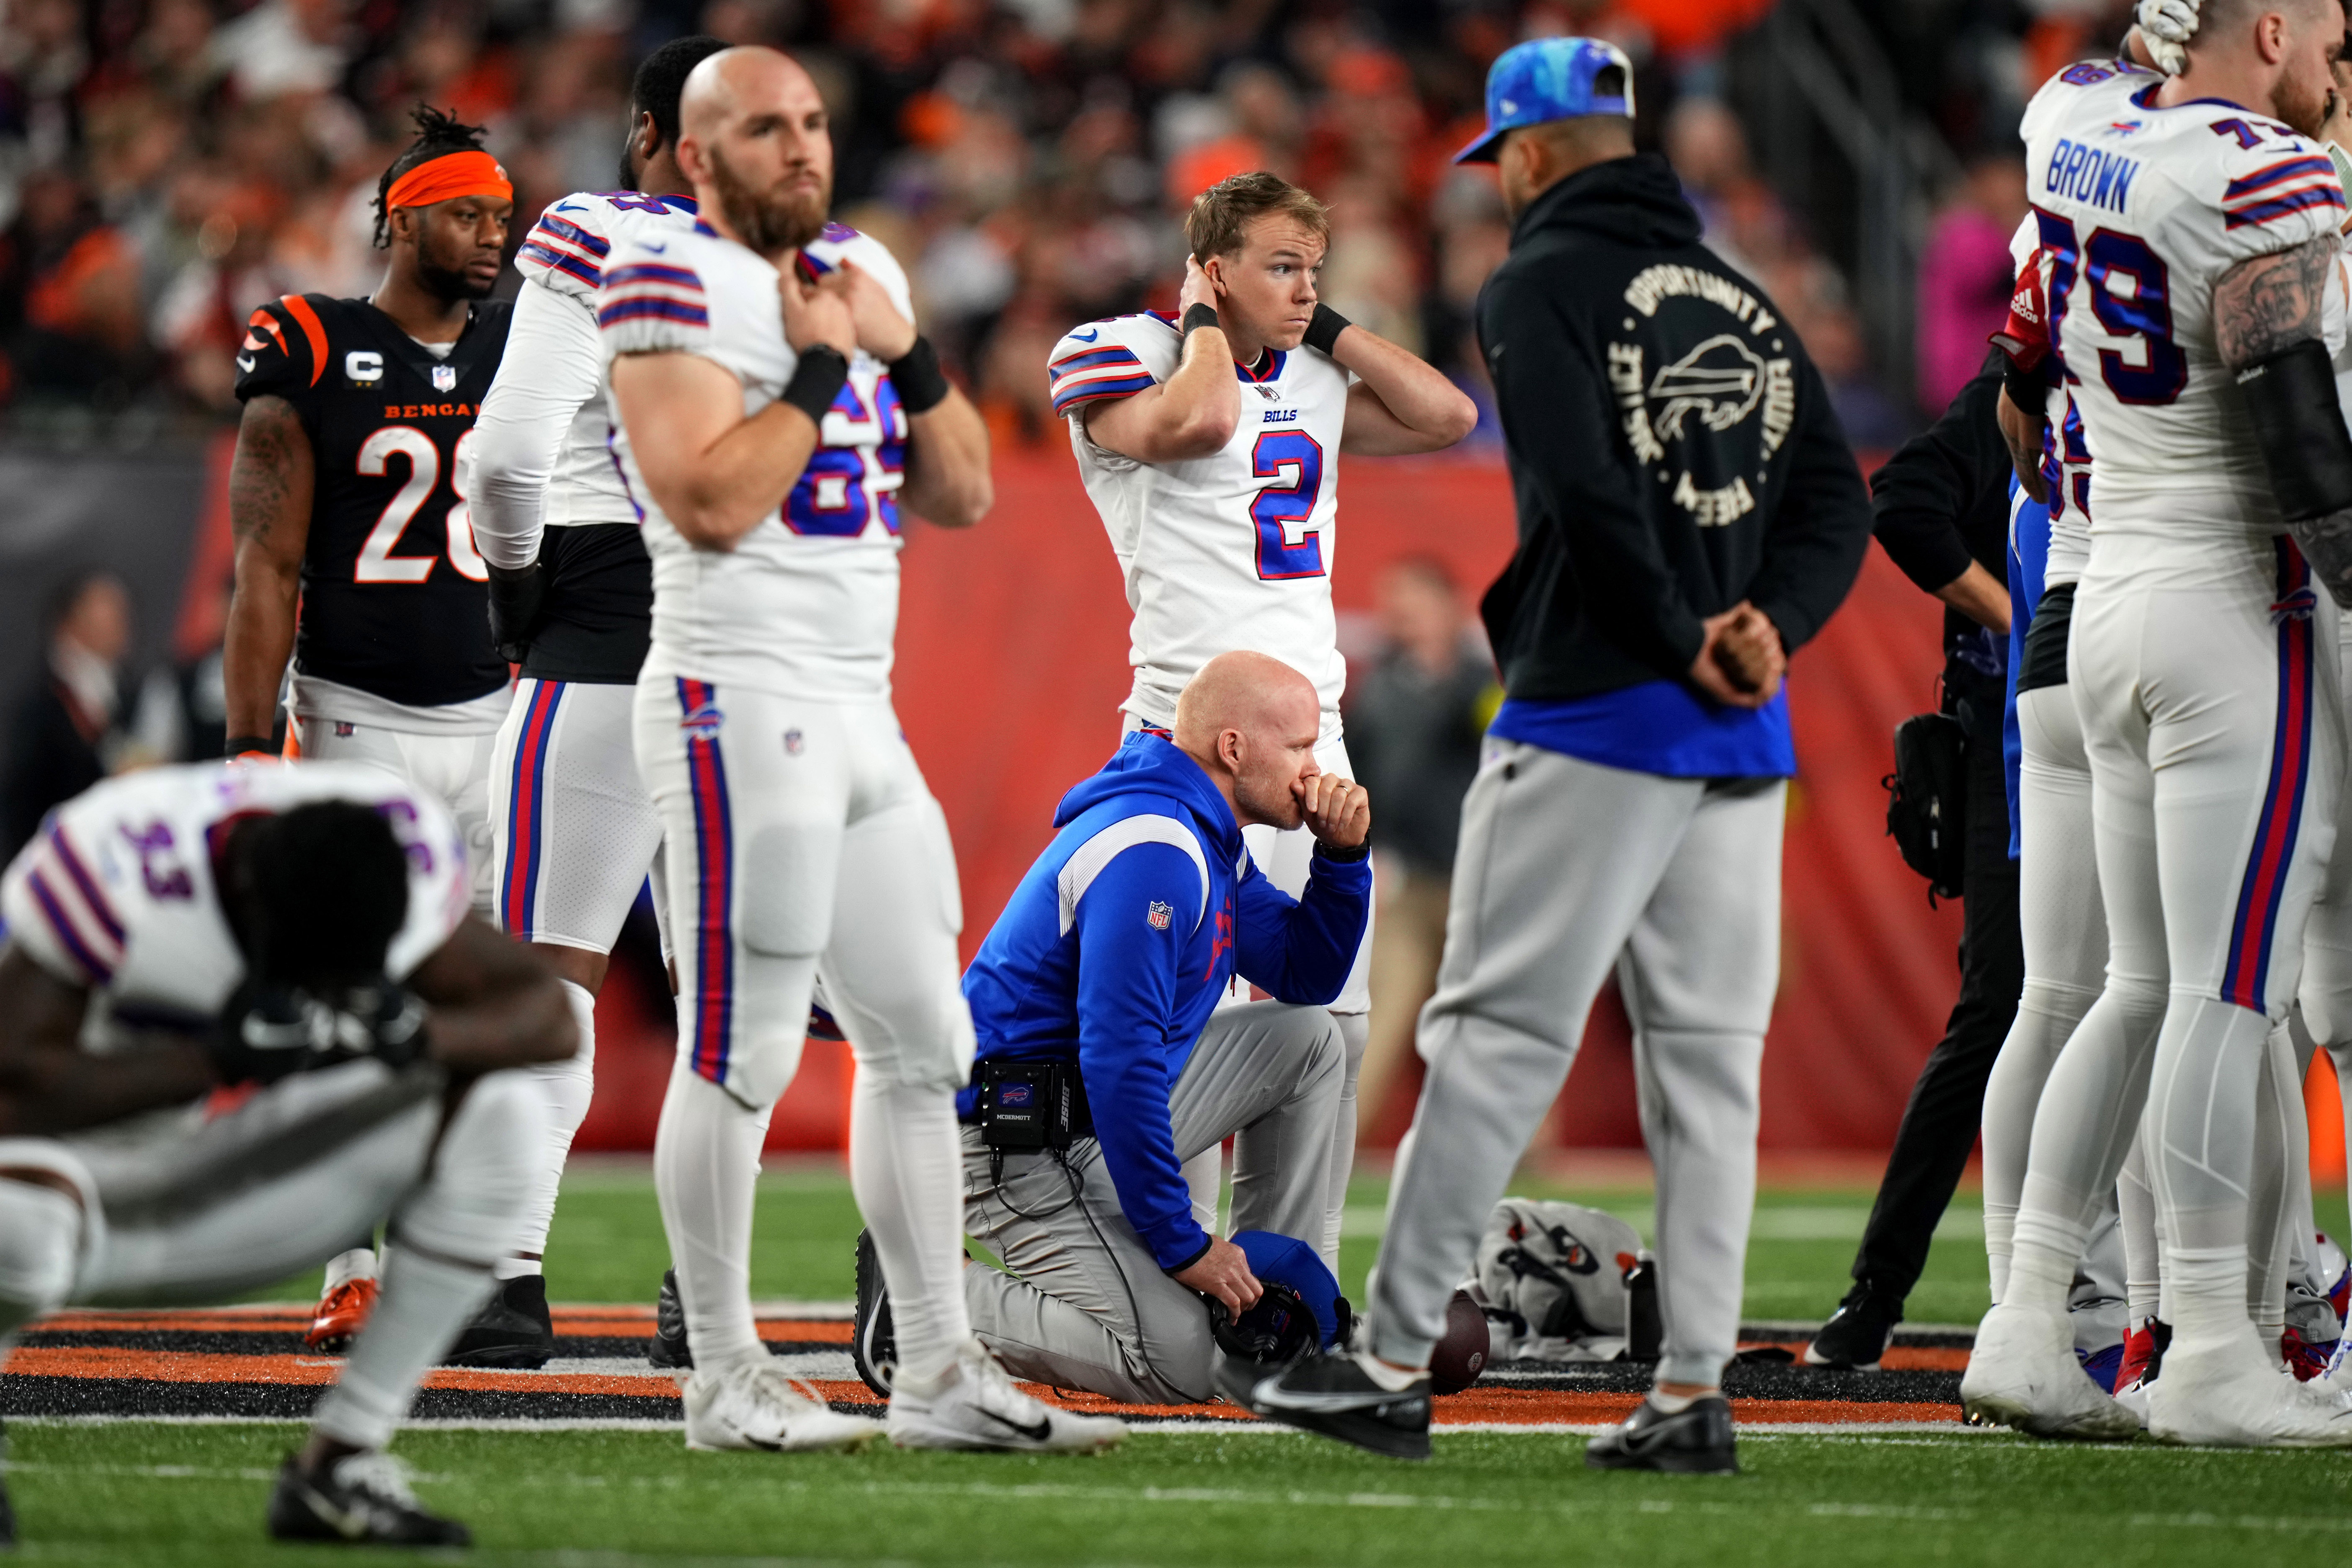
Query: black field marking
x=132, y=1398
x=1739, y=1382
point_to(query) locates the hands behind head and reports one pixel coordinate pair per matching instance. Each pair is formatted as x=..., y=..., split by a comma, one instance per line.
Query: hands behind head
x=1741, y=663
x=1335, y=810
x=1199, y=289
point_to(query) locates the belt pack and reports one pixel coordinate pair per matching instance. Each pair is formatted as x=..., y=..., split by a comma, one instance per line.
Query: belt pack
x=1031, y=1106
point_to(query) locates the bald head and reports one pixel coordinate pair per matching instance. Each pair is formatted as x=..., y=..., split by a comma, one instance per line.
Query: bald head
x=753, y=139
x=2272, y=54
x=1252, y=722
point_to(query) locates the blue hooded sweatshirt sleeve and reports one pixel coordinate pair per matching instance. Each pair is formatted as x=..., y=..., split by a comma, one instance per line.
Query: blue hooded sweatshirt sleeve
x=1300, y=950
x=1132, y=927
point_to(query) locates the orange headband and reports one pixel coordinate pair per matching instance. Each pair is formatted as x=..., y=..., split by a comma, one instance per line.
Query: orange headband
x=447, y=177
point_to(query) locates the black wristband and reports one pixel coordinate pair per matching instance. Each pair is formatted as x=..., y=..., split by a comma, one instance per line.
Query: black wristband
x=922, y=385
x=1338, y=855
x=1197, y=317
x=238, y=745
x=2026, y=387
x=1323, y=328
x=816, y=380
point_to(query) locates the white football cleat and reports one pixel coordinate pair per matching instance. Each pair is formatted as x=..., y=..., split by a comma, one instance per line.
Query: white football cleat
x=2228, y=1394
x=976, y=1406
x=2133, y=1396
x=758, y=1405
x=2022, y=1374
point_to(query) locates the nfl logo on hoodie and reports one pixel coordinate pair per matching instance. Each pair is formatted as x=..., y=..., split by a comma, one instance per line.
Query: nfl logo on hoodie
x=1158, y=916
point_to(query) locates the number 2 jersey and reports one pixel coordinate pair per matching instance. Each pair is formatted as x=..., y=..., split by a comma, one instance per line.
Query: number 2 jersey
x=1231, y=551
x=116, y=892
x=807, y=602
x=2141, y=211
x=393, y=597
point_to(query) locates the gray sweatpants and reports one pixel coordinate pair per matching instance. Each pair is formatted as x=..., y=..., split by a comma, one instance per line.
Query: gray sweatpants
x=1565, y=868
x=1086, y=1305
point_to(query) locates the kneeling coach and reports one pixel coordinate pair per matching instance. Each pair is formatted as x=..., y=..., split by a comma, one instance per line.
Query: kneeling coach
x=1104, y=1062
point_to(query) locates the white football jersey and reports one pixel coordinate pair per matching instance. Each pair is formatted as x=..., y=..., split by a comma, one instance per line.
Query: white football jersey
x=115, y=891
x=565, y=254
x=807, y=603
x=2142, y=210
x=2070, y=523
x=1231, y=551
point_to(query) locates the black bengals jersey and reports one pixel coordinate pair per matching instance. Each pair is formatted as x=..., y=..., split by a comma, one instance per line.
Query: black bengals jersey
x=392, y=595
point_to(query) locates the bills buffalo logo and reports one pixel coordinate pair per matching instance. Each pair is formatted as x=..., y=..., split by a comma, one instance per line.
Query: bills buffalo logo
x=1721, y=381
x=2298, y=605
x=1269, y=393
x=703, y=723
x=1015, y=1094
x=1159, y=916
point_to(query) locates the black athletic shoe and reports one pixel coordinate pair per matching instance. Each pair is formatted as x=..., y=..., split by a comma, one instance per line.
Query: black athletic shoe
x=513, y=1329
x=873, y=1346
x=1697, y=1441
x=1329, y=1392
x=363, y=1498
x=1857, y=1334
x=670, y=1347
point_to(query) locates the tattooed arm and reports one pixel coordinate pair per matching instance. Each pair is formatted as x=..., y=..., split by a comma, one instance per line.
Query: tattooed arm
x=2266, y=322
x=269, y=513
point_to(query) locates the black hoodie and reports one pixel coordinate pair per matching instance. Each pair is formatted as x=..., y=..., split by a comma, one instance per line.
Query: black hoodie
x=1672, y=448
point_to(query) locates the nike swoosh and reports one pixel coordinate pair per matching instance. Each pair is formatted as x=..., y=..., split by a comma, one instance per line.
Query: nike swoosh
x=245, y=362
x=1274, y=1397
x=1089, y=335
x=1039, y=1433
x=661, y=249
x=568, y=207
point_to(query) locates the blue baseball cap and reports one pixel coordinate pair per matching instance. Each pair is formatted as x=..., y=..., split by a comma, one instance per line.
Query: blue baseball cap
x=1282, y=1259
x=1549, y=78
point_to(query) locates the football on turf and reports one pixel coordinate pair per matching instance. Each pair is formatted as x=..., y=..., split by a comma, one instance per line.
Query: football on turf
x=1461, y=1352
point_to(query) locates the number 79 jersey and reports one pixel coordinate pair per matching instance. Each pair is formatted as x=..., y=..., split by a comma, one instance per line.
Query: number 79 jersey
x=393, y=595
x=1230, y=551
x=2142, y=210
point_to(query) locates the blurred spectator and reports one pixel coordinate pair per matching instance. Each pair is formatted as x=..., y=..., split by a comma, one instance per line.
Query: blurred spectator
x=167, y=165
x=1413, y=729
x=63, y=736
x=1965, y=275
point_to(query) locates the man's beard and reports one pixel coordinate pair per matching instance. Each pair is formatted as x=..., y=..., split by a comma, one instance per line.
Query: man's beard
x=1280, y=810
x=769, y=223
x=451, y=286
x=2305, y=112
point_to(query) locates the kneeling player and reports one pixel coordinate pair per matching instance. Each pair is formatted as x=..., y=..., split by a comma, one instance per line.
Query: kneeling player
x=187, y=922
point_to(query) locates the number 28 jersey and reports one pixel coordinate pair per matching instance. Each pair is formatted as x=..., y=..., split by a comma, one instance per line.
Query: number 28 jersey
x=393, y=602
x=2141, y=211
x=1230, y=551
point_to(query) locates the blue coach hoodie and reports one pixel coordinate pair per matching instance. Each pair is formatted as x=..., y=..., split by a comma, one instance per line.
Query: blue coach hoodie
x=1117, y=945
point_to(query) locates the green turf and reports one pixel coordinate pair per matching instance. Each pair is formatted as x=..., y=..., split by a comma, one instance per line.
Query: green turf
x=192, y=1496
x=608, y=1242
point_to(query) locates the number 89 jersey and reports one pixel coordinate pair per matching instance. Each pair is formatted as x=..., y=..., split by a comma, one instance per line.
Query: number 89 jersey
x=392, y=597
x=2141, y=211
x=1231, y=551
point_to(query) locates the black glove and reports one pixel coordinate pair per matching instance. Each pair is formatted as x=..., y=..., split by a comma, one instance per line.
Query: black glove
x=515, y=598
x=267, y=1032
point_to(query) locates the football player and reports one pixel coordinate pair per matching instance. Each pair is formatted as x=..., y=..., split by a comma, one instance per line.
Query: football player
x=759, y=368
x=346, y=499
x=2201, y=660
x=572, y=596
x=1209, y=441
x=299, y=933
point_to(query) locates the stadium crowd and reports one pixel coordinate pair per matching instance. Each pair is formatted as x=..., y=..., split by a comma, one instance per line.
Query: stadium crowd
x=166, y=166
